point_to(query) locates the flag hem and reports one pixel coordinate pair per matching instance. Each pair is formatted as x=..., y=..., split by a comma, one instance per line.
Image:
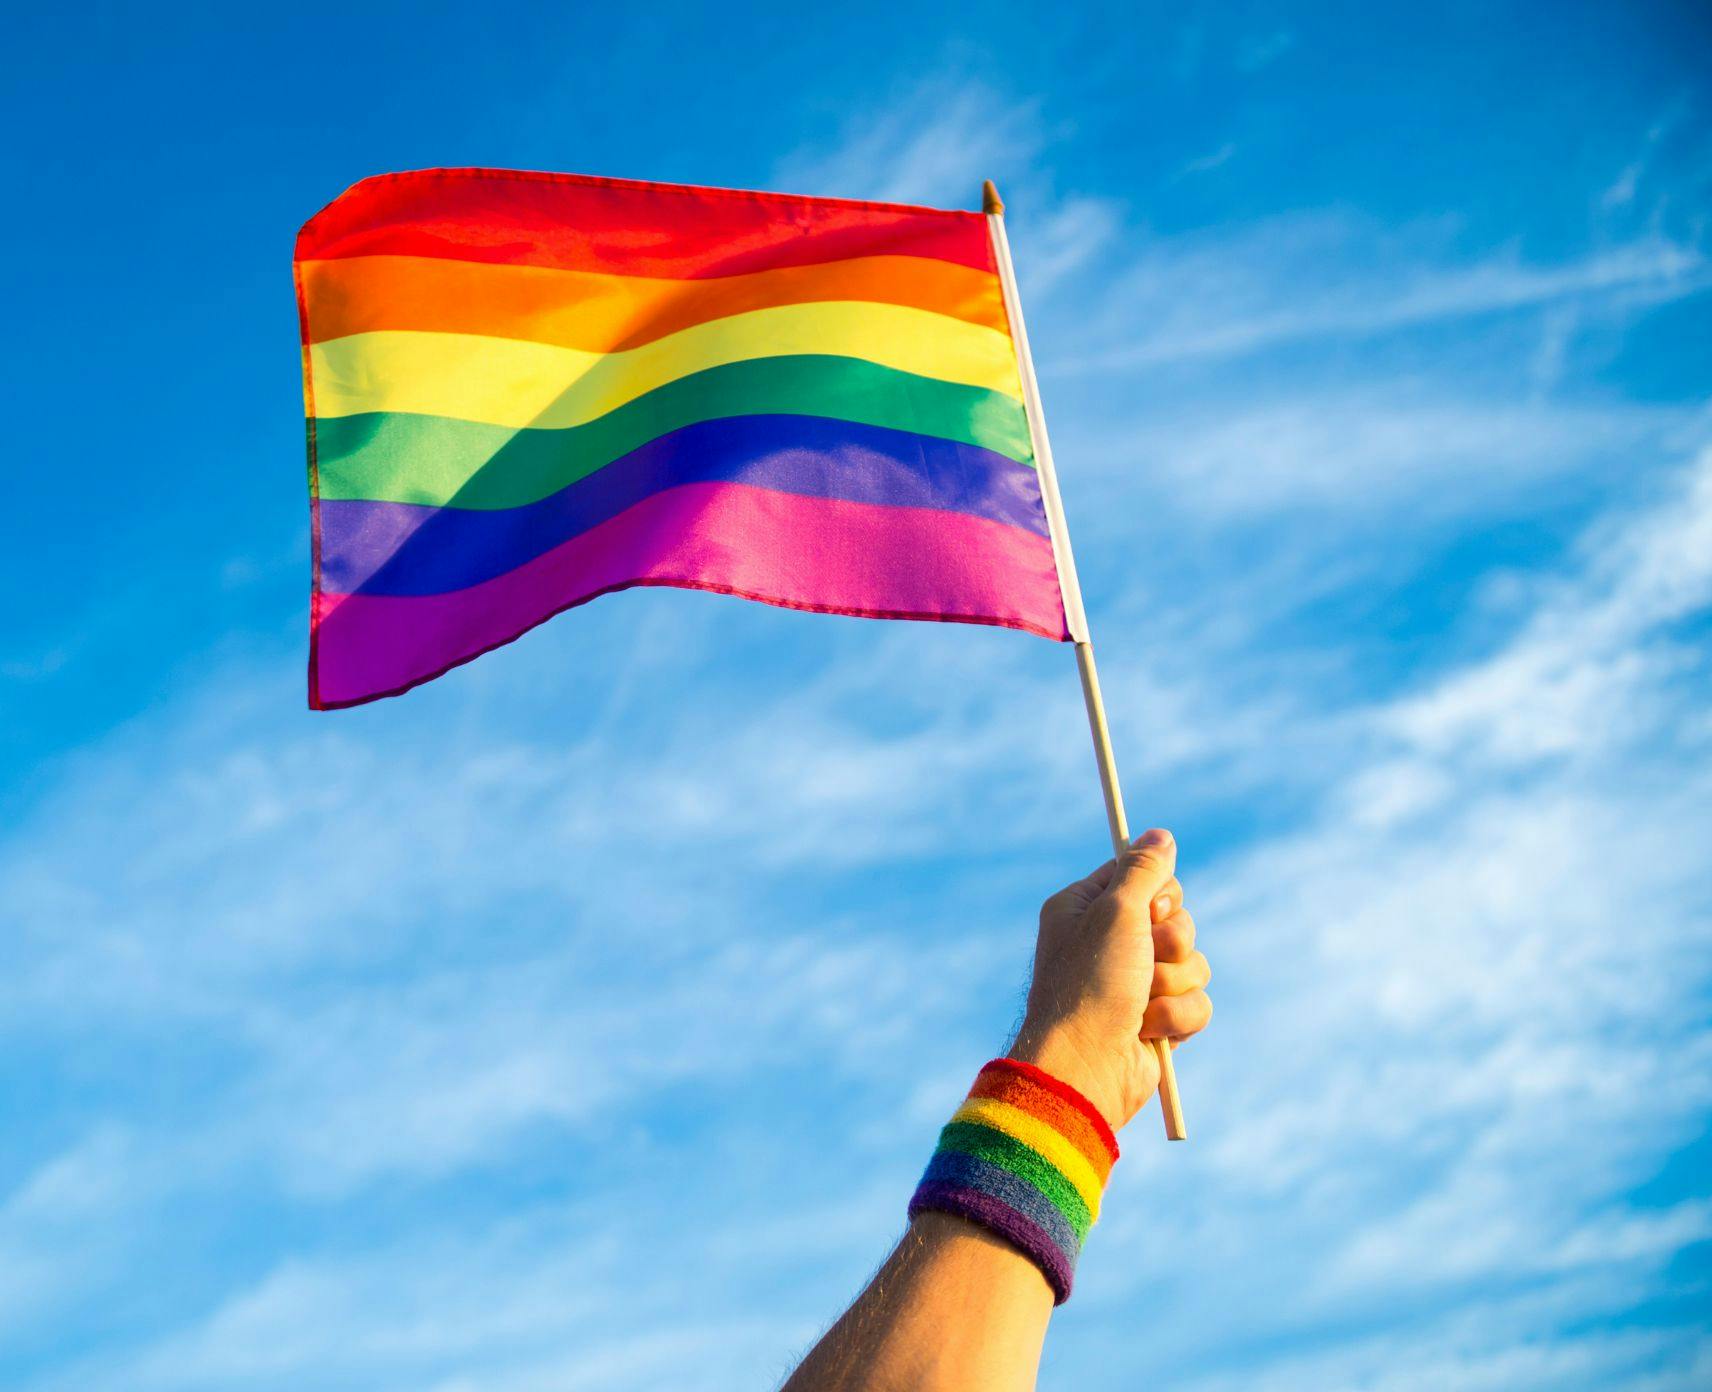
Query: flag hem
x=604, y=181
x=314, y=674
x=671, y=583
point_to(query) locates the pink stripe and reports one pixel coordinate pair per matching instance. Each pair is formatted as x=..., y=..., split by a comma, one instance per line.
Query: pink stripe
x=828, y=555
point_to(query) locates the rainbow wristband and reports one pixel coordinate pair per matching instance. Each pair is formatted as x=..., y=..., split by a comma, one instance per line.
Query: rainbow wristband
x=1027, y=1157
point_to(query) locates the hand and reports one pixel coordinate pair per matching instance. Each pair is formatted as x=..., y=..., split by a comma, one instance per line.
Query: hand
x=1115, y=968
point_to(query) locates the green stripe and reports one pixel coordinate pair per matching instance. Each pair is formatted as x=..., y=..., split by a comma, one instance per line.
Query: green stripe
x=1025, y=1162
x=392, y=457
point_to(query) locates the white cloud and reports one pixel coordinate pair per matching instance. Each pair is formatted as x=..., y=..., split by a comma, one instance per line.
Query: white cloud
x=936, y=142
x=930, y=143
x=1582, y=675
x=1301, y=278
x=1621, y=190
x=540, y=1299
x=1476, y=1019
x=68, y=1225
x=1346, y=455
x=1204, y=164
x=1460, y=1356
x=1263, y=50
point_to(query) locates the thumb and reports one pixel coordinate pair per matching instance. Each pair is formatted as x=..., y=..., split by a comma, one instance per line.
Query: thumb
x=1144, y=869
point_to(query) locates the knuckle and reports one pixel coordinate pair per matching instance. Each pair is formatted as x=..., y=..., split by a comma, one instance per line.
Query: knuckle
x=1167, y=899
x=1143, y=860
x=1129, y=898
x=1174, y=939
x=1177, y=1016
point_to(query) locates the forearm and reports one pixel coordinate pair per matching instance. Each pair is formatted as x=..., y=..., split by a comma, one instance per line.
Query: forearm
x=997, y=1224
x=953, y=1309
x=1015, y=1183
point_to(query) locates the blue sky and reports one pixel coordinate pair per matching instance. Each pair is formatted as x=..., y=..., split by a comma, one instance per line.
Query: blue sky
x=583, y=1019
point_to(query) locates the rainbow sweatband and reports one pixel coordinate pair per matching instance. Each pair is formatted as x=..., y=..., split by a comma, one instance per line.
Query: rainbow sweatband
x=1027, y=1157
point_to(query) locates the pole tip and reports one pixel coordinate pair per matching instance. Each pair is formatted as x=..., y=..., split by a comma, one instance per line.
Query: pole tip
x=990, y=200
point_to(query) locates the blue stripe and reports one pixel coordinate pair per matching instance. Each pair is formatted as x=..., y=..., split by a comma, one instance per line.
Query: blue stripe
x=952, y=1167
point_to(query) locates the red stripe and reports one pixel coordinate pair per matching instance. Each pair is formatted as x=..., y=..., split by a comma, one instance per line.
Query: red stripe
x=575, y=222
x=314, y=475
x=830, y=556
x=1063, y=1091
x=1041, y=1103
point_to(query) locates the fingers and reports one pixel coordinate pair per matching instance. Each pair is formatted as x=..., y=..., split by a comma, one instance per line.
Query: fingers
x=1167, y=897
x=1179, y=978
x=1180, y=1006
x=1176, y=1017
x=1074, y=898
x=1174, y=937
x=1143, y=871
x=1168, y=900
x=1099, y=879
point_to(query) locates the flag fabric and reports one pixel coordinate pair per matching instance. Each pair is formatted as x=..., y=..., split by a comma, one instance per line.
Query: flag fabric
x=526, y=390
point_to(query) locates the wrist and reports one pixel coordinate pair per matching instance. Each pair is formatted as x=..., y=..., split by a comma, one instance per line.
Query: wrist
x=1026, y=1156
x=1061, y=1050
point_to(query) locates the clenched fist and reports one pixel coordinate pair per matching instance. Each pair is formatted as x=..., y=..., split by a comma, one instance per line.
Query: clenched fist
x=1115, y=967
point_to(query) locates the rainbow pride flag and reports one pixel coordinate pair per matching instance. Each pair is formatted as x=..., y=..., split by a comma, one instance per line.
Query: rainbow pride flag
x=525, y=390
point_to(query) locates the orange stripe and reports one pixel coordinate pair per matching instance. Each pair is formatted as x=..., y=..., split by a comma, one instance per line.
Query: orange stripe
x=603, y=313
x=1028, y=1096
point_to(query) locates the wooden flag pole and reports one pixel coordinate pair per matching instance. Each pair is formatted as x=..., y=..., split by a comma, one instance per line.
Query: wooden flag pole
x=1076, y=620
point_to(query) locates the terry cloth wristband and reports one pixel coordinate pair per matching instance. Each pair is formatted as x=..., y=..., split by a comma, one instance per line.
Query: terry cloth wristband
x=1025, y=1156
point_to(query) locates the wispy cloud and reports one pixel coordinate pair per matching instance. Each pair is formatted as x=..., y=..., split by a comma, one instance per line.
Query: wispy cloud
x=1356, y=454
x=1516, y=1025
x=935, y=142
x=926, y=143
x=1294, y=280
x=1263, y=50
x=1621, y=192
x=537, y=1300
x=1203, y=164
x=55, y=1226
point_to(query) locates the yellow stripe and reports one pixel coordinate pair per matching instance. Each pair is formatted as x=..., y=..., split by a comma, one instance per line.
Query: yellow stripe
x=1031, y=1131
x=503, y=381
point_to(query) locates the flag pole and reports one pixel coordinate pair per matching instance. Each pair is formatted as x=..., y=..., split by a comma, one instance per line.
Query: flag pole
x=1075, y=619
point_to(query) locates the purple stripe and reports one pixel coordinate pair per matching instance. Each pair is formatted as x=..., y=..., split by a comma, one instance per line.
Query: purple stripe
x=971, y=1172
x=1001, y=1218
x=384, y=548
x=820, y=554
